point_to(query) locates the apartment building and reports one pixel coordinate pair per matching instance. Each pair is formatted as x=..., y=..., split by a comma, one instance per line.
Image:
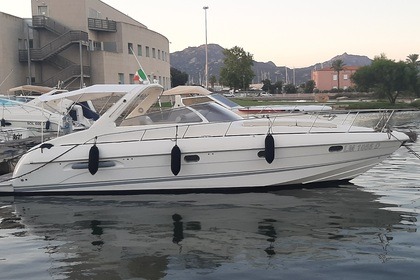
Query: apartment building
x=327, y=78
x=73, y=43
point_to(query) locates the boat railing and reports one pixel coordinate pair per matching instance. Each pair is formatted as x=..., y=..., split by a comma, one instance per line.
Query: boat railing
x=306, y=125
x=354, y=117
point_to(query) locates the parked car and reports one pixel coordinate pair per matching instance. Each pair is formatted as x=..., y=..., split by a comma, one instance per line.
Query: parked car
x=265, y=94
x=229, y=94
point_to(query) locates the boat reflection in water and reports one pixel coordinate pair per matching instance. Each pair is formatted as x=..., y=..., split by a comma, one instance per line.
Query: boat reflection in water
x=290, y=232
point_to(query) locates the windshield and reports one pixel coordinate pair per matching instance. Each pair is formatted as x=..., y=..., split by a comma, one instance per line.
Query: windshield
x=215, y=113
x=225, y=101
x=205, y=112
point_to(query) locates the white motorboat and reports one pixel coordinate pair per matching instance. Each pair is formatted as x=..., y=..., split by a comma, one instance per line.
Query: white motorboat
x=134, y=146
x=80, y=114
x=37, y=120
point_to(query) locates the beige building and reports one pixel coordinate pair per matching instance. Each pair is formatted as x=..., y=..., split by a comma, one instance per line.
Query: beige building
x=79, y=42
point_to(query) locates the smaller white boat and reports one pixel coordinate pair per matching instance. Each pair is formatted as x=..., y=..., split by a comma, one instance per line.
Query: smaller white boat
x=82, y=114
x=9, y=134
x=57, y=117
x=38, y=120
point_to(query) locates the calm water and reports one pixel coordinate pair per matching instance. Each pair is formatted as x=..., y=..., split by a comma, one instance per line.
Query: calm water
x=366, y=229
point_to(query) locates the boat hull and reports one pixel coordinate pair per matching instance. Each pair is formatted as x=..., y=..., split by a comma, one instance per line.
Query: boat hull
x=206, y=163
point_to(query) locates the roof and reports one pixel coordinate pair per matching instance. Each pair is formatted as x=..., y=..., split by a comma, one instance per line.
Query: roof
x=345, y=68
x=184, y=90
x=38, y=89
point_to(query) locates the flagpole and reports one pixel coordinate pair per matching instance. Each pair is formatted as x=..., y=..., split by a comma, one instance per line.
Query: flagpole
x=138, y=62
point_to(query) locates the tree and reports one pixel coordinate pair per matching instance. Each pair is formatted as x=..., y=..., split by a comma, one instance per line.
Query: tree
x=290, y=88
x=338, y=66
x=272, y=88
x=237, y=70
x=277, y=87
x=387, y=78
x=309, y=86
x=178, y=78
x=213, y=80
x=413, y=59
x=266, y=85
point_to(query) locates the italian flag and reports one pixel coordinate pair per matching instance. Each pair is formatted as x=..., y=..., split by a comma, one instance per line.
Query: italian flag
x=140, y=75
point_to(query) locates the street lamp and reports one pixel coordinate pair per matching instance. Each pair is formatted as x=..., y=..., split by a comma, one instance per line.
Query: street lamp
x=207, y=66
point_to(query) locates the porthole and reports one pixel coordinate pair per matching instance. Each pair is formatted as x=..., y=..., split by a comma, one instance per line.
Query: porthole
x=335, y=149
x=192, y=158
x=261, y=154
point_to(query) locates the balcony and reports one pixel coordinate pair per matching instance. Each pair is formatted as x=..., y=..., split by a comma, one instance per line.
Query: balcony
x=102, y=25
x=40, y=21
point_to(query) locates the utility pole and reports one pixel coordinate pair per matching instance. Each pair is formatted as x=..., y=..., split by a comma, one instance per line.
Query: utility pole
x=207, y=66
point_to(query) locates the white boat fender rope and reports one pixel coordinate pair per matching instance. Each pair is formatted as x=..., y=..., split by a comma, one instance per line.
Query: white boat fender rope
x=176, y=156
x=93, y=163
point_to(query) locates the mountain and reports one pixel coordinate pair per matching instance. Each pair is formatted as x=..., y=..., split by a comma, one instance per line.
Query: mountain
x=192, y=61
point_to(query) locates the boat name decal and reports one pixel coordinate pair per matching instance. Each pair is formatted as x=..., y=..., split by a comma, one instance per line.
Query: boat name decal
x=33, y=123
x=361, y=147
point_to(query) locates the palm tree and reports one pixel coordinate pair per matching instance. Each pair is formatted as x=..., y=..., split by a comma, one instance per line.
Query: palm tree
x=338, y=65
x=413, y=59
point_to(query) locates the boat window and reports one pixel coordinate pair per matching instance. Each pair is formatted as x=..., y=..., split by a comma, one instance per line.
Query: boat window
x=225, y=101
x=215, y=113
x=8, y=102
x=192, y=158
x=178, y=115
x=335, y=149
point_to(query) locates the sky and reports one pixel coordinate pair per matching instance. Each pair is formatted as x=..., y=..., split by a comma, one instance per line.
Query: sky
x=293, y=33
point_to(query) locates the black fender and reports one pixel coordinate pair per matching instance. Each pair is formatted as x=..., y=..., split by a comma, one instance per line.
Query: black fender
x=175, y=160
x=269, y=148
x=93, y=164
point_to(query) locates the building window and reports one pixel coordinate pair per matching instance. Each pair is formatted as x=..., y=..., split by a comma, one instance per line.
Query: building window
x=32, y=82
x=345, y=77
x=130, y=48
x=43, y=10
x=97, y=46
x=139, y=50
x=158, y=54
x=131, y=78
x=147, y=51
x=109, y=46
x=153, y=52
x=334, y=77
x=121, y=78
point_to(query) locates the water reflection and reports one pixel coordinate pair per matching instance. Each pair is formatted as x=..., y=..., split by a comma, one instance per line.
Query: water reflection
x=158, y=236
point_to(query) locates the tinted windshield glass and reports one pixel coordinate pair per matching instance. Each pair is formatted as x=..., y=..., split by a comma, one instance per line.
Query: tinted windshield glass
x=226, y=101
x=215, y=113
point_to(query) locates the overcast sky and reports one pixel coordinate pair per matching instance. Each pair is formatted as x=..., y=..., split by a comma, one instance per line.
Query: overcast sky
x=295, y=33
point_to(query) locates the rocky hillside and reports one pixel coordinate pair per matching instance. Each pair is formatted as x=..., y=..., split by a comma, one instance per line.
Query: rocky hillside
x=192, y=61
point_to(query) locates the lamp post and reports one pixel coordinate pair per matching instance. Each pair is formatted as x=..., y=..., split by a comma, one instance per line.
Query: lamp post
x=207, y=66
